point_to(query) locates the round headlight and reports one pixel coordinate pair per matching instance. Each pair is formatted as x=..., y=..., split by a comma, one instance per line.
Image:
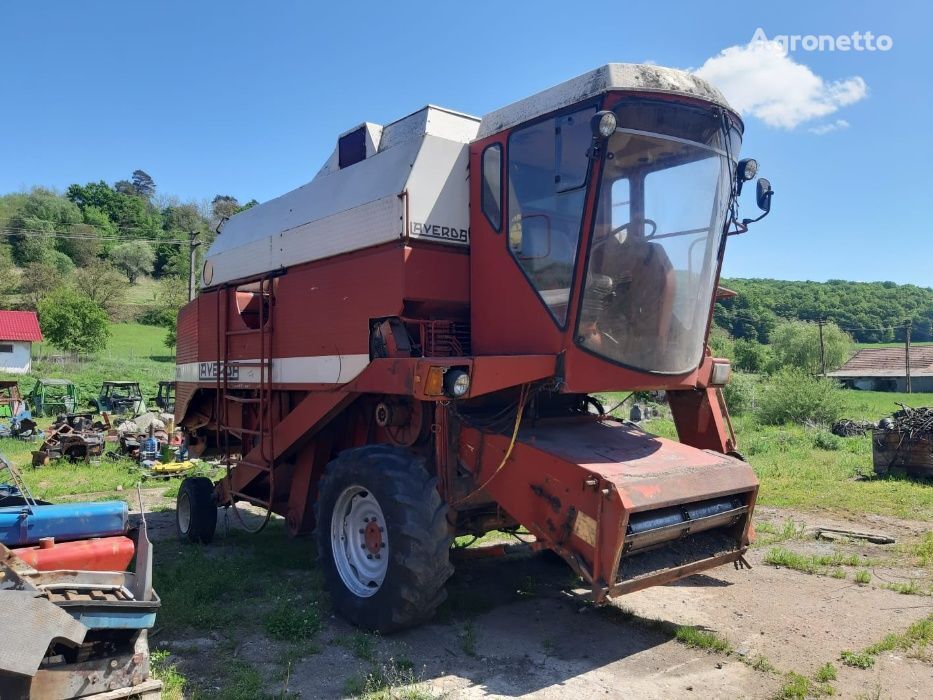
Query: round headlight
x=603, y=124
x=456, y=383
x=748, y=168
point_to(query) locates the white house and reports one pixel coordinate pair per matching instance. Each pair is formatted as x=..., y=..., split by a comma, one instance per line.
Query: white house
x=18, y=331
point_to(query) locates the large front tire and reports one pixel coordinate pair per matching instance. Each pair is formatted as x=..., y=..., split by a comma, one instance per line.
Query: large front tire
x=383, y=538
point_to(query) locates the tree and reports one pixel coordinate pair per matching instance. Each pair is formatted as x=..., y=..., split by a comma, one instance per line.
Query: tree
x=125, y=187
x=73, y=323
x=134, y=258
x=796, y=344
x=39, y=279
x=172, y=295
x=84, y=247
x=143, y=184
x=223, y=206
x=101, y=283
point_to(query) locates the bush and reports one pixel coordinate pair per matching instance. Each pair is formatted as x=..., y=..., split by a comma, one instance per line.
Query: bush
x=793, y=396
x=740, y=394
x=721, y=343
x=825, y=440
x=751, y=356
x=797, y=344
x=72, y=322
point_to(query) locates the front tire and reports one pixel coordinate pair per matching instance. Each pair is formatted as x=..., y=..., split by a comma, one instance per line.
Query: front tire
x=195, y=510
x=383, y=538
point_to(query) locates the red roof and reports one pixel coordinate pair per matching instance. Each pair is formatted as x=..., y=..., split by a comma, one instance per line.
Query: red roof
x=19, y=325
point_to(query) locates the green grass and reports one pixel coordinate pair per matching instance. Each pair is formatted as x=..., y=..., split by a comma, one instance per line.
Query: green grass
x=862, y=577
x=697, y=638
x=173, y=682
x=794, y=474
x=825, y=673
x=134, y=352
x=909, y=588
x=914, y=641
x=361, y=644
x=816, y=563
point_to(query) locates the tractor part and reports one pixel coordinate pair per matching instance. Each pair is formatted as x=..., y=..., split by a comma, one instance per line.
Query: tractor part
x=196, y=510
x=383, y=538
x=29, y=524
x=98, y=554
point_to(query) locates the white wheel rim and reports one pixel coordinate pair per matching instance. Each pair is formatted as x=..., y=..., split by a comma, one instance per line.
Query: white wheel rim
x=183, y=512
x=359, y=541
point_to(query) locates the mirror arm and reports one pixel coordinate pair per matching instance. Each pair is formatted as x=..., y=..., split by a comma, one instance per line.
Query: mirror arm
x=746, y=222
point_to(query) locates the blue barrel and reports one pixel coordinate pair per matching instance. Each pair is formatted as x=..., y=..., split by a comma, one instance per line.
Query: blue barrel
x=26, y=525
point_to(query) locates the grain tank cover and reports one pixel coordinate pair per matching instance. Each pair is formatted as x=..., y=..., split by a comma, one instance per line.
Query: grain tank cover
x=356, y=200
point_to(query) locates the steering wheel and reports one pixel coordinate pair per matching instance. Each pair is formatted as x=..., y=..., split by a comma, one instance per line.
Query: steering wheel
x=618, y=229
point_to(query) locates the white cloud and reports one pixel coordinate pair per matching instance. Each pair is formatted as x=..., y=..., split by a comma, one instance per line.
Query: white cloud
x=761, y=79
x=821, y=129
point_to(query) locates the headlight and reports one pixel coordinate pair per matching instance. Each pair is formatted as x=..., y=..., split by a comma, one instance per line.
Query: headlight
x=748, y=168
x=456, y=383
x=603, y=124
x=721, y=374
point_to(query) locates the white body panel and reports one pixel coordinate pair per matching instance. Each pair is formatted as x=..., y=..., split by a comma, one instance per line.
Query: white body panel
x=423, y=157
x=19, y=361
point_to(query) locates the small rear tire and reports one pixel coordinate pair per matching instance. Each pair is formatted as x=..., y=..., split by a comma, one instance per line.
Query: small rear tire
x=196, y=510
x=382, y=538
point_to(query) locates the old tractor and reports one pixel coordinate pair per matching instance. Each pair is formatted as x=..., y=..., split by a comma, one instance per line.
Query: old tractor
x=409, y=347
x=120, y=398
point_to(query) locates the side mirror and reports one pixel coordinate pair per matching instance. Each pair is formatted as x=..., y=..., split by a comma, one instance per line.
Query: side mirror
x=763, y=194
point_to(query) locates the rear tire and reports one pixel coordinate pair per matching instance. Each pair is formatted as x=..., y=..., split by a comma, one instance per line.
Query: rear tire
x=383, y=538
x=195, y=510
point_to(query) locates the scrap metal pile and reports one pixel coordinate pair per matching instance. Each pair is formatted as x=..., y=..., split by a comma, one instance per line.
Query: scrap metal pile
x=73, y=436
x=905, y=440
x=80, y=619
x=851, y=428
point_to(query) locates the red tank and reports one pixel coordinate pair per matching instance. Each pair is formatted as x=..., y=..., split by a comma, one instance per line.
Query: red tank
x=98, y=554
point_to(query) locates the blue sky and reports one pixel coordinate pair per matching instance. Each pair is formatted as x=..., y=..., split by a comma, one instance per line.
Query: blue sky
x=246, y=98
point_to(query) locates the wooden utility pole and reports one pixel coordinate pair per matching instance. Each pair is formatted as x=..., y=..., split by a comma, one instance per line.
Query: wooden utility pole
x=908, y=324
x=193, y=243
x=820, y=322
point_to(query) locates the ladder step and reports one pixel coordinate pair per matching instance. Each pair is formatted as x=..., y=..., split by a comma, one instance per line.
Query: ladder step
x=248, y=331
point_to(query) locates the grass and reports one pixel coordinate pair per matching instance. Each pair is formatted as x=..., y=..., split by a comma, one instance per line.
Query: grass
x=862, y=577
x=361, y=644
x=468, y=639
x=173, y=682
x=799, y=686
x=816, y=563
x=795, y=474
x=392, y=680
x=697, y=638
x=909, y=588
x=134, y=351
x=825, y=673
x=914, y=641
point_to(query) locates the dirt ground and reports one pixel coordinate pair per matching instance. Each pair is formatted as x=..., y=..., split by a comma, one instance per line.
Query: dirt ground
x=527, y=634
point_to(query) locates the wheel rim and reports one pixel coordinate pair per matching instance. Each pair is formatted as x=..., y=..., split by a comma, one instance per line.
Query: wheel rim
x=359, y=541
x=183, y=512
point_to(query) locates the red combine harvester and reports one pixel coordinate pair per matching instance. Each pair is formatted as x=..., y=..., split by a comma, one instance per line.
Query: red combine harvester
x=406, y=349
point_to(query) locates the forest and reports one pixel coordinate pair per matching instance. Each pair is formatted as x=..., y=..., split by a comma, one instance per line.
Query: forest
x=871, y=312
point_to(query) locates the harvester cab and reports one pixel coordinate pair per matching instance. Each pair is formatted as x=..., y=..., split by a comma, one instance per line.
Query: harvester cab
x=413, y=345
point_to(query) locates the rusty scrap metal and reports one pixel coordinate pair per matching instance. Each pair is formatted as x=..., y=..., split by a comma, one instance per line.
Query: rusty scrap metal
x=851, y=428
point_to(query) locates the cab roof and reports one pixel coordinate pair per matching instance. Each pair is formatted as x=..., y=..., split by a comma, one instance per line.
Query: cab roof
x=612, y=76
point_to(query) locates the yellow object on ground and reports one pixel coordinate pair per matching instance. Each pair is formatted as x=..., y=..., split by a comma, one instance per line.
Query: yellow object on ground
x=172, y=467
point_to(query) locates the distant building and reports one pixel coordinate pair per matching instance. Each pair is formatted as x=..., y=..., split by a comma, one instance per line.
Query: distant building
x=883, y=369
x=18, y=331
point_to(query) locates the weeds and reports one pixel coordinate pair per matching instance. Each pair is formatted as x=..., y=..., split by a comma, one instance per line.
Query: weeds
x=289, y=620
x=173, y=682
x=816, y=563
x=825, y=673
x=909, y=588
x=361, y=644
x=862, y=577
x=696, y=638
x=857, y=659
x=392, y=680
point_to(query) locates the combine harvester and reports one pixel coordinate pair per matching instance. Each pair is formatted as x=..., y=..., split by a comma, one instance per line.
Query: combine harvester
x=407, y=348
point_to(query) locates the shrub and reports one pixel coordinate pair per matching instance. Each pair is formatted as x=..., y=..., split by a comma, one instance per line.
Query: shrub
x=72, y=322
x=740, y=394
x=825, y=440
x=793, y=396
x=751, y=356
x=797, y=344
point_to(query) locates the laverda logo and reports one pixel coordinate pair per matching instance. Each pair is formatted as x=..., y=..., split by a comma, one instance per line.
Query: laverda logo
x=448, y=233
x=208, y=370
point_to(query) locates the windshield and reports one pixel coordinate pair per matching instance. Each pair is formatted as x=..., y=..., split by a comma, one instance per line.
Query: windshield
x=653, y=256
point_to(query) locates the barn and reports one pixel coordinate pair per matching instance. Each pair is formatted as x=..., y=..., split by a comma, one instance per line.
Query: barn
x=884, y=369
x=18, y=331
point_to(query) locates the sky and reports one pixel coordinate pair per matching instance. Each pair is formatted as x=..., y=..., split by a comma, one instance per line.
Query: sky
x=247, y=99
